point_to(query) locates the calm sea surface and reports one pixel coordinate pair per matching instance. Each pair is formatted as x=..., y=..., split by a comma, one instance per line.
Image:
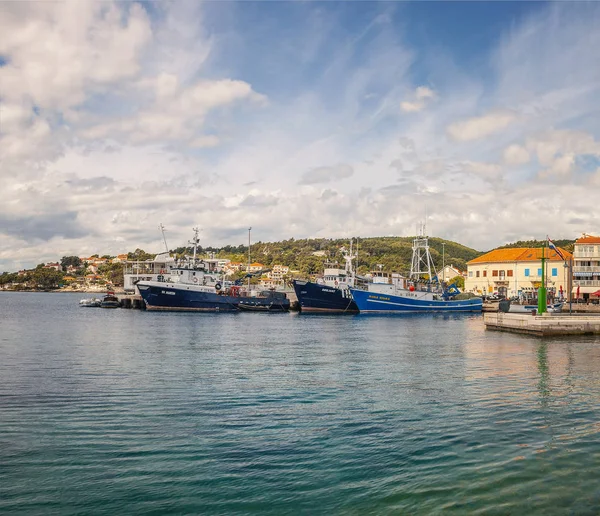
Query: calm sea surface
x=131, y=412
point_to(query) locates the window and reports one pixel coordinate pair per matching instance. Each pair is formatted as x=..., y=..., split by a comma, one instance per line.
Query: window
x=477, y=274
x=554, y=272
x=539, y=272
x=526, y=272
x=509, y=273
x=494, y=273
x=484, y=274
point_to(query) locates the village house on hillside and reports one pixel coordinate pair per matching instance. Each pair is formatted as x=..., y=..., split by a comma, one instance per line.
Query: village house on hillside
x=275, y=277
x=517, y=271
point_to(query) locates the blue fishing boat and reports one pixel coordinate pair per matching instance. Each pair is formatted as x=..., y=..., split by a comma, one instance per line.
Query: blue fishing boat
x=197, y=286
x=420, y=292
x=403, y=302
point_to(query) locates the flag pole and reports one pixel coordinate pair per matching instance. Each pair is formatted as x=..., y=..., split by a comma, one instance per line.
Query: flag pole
x=542, y=290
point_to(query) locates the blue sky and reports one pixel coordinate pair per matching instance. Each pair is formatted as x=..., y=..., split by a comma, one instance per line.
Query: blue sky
x=300, y=119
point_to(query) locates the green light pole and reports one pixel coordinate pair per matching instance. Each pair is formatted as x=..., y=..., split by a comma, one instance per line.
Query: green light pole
x=542, y=290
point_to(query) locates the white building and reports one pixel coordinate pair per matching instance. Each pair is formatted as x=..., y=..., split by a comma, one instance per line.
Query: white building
x=275, y=277
x=586, y=266
x=449, y=272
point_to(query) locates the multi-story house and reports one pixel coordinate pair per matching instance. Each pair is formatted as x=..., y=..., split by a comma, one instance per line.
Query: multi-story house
x=255, y=267
x=275, y=277
x=449, y=272
x=586, y=266
x=518, y=272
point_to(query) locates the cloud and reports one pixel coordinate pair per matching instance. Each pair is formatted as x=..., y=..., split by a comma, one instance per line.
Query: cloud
x=204, y=113
x=421, y=97
x=481, y=127
x=44, y=226
x=87, y=46
x=326, y=174
x=516, y=155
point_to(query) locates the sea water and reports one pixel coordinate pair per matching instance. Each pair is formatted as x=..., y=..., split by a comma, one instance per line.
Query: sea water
x=133, y=412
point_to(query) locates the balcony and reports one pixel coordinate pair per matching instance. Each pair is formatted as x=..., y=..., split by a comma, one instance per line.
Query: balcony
x=586, y=268
x=579, y=254
x=533, y=277
x=586, y=283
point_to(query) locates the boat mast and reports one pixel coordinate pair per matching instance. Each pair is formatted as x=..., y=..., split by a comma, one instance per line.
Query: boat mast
x=422, y=263
x=162, y=230
x=248, y=269
x=195, y=242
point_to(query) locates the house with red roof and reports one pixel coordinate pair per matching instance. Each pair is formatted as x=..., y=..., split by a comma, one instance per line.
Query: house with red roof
x=517, y=271
x=586, y=267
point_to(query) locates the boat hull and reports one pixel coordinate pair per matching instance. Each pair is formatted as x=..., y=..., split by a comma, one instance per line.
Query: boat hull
x=372, y=302
x=169, y=297
x=315, y=298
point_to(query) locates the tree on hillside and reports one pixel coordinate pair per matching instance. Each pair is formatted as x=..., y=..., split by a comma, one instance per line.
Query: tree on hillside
x=47, y=278
x=140, y=254
x=112, y=272
x=67, y=261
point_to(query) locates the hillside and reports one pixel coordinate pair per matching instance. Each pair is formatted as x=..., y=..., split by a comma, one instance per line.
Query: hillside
x=393, y=253
x=566, y=244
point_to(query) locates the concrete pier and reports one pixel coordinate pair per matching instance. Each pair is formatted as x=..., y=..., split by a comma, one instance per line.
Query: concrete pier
x=135, y=302
x=543, y=325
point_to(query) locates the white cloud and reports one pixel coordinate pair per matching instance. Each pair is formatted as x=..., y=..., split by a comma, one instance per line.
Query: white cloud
x=86, y=45
x=326, y=174
x=175, y=127
x=421, y=97
x=481, y=127
x=560, y=166
x=516, y=155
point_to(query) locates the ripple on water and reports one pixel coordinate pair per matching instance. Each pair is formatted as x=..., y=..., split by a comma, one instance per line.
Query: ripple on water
x=130, y=412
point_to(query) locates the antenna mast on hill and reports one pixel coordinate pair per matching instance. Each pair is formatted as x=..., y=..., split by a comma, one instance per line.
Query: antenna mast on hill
x=162, y=230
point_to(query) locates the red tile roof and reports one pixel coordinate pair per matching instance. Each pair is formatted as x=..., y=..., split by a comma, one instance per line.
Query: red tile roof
x=520, y=254
x=588, y=239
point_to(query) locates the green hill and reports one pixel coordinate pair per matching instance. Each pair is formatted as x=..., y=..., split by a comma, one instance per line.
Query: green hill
x=565, y=243
x=393, y=253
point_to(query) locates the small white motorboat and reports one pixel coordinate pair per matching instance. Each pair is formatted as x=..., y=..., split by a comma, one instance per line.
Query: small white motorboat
x=91, y=302
x=507, y=306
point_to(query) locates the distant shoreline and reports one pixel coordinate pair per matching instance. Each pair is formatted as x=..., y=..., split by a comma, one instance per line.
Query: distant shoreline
x=119, y=291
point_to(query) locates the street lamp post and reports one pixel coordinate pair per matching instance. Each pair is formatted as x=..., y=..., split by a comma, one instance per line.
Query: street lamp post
x=569, y=268
x=443, y=262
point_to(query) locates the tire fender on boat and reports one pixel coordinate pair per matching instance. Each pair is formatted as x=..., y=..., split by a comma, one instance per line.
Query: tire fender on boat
x=217, y=286
x=195, y=280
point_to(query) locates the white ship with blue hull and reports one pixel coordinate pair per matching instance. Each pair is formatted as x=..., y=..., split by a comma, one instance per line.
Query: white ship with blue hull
x=196, y=286
x=418, y=293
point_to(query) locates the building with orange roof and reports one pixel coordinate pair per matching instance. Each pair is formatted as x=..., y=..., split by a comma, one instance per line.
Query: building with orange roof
x=586, y=266
x=517, y=271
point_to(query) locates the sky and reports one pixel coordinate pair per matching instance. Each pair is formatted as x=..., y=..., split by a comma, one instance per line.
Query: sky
x=298, y=119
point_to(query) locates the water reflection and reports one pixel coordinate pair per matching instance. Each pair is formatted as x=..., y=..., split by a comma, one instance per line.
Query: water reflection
x=544, y=380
